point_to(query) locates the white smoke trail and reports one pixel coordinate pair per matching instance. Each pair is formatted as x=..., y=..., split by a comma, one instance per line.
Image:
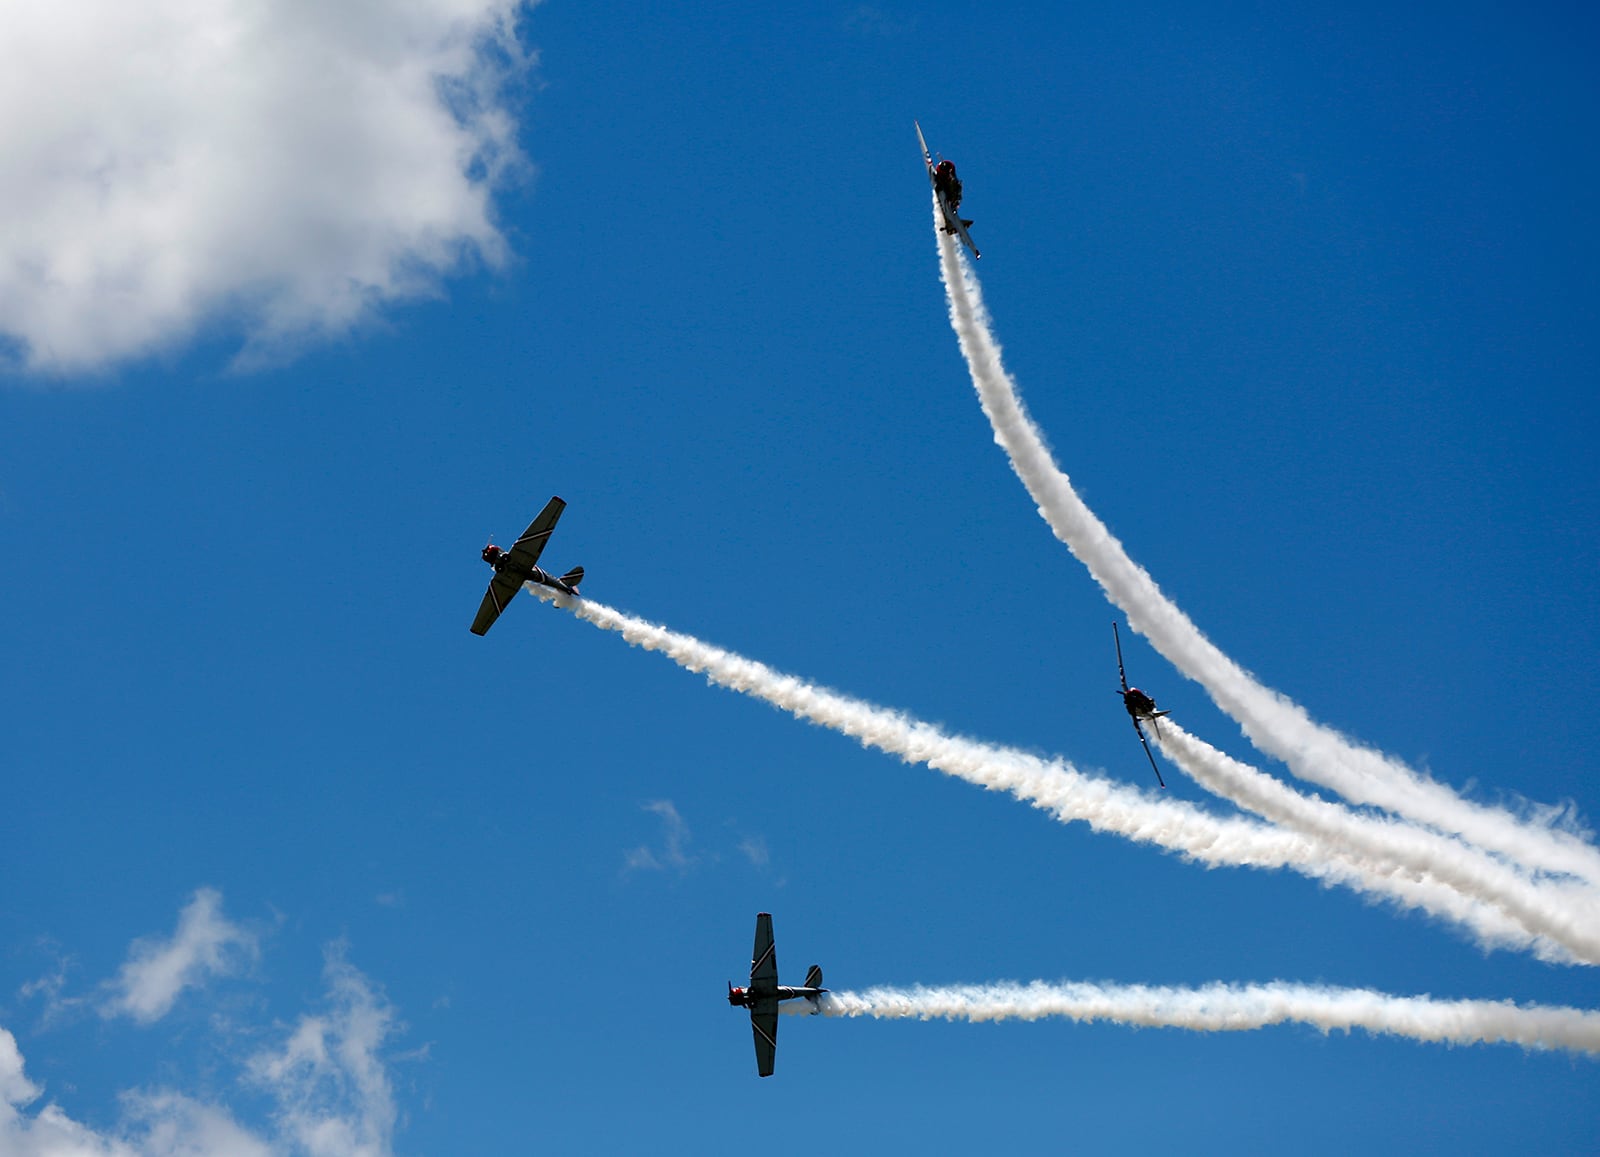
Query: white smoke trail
x=1058, y=788
x=1235, y=1008
x=1563, y=911
x=1273, y=722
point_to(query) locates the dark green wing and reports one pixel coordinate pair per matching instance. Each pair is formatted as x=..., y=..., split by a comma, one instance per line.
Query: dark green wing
x=765, y=1027
x=502, y=589
x=526, y=550
x=764, y=957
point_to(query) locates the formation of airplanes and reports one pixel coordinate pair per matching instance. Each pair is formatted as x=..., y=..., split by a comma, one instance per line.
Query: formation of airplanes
x=520, y=565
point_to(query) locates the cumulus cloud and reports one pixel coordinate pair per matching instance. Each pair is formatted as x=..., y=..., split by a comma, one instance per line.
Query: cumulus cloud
x=284, y=168
x=327, y=1084
x=205, y=944
x=15, y=1088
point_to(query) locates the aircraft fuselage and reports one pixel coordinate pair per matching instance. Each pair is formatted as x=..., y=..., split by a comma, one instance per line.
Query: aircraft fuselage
x=1140, y=705
x=501, y=561
x=748, y=998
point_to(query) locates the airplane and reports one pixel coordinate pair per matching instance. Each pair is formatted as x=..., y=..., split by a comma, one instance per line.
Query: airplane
x=948, y=190
x=764, y=993
x=520, y=565
x=1140, y=706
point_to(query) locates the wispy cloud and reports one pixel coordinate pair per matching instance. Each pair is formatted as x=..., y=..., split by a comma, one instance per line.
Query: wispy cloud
x=48, y=987
x=286, y=169
x=755, y=850
x=871, y=20
x=206, y=944
x=672, y=853
x=326, y=1081
x=329, y=1079
x=159, y=1124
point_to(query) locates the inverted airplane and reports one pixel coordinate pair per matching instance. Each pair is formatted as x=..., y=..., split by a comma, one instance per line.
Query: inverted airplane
x=947, y=188
x=520, y=565
x=1141, y=708
x=764, y=993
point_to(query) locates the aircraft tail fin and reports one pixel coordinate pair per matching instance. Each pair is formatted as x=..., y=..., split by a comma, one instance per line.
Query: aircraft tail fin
x=814, y=976
x=573, y=577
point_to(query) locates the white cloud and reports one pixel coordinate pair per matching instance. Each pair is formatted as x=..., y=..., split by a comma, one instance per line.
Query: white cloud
x=205, y=944
x=47, y=988
x=755, y=850
x=167, y=1124
x=15, y=1089
x=157, y=1124
x=674, y=850
x=283, y=166
x=331, y=1086
x=328, y=1085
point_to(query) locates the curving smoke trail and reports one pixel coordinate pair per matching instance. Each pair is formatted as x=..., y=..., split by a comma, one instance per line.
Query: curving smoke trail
x=1068, y=794
x=1235, y=1008
x=1272, y=722
x=1564, y=911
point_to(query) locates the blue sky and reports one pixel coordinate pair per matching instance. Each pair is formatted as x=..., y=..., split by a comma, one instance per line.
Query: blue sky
x=1302, y=300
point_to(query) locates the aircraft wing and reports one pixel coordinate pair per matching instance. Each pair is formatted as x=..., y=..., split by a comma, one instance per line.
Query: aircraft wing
x=764, y=957
x=526, y=550
x=764, y=1027
x=959, y=226
x=927, y=157
x=502, y=589
x=1150, y=755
